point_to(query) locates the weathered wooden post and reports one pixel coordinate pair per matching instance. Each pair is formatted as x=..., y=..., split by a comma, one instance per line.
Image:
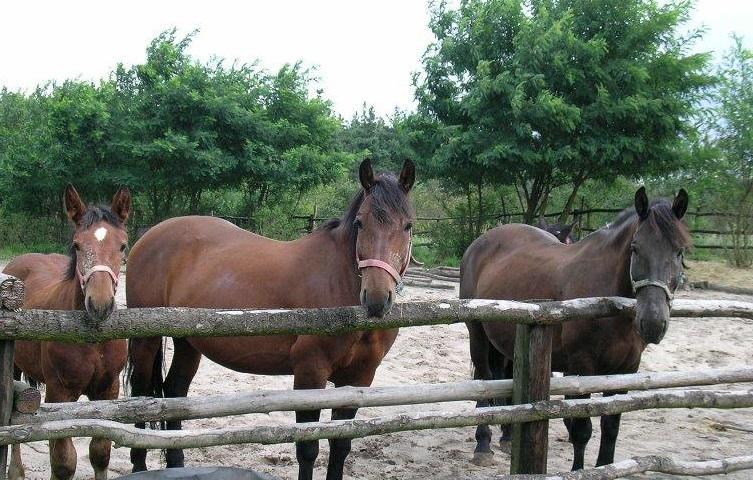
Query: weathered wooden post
x=11, y=297
x=6, y=396
x=532, y=369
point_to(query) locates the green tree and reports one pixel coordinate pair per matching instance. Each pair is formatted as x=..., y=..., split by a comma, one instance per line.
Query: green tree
x=728, y=175
x=541, y=94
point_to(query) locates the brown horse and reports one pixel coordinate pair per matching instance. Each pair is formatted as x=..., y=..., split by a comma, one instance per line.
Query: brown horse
x=208, y=262
x=85, y=280
x=639, y=255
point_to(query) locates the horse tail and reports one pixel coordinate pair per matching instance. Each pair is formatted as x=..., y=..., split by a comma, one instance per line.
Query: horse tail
x=156, y=388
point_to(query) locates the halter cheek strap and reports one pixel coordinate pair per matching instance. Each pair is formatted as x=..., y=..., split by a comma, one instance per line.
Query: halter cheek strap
x=637, y=285
x=83, y=279
x=397, y=276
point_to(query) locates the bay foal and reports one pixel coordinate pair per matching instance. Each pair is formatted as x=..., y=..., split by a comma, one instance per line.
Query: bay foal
x=84, y=280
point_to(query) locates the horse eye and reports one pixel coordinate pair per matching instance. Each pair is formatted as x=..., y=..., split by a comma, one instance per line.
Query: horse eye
x=408, y=227
x=633, y=247
x=76, y=246
x=123, y=247
x=357, y=224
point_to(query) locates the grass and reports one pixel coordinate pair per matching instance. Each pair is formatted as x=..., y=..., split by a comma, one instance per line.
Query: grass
x=719, y=272
x=9, y=251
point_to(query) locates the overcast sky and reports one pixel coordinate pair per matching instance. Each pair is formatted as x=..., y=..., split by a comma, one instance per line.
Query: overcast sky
x=365, y=50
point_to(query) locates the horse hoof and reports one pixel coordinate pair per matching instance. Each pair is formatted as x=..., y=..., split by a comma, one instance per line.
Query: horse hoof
x=483, y=459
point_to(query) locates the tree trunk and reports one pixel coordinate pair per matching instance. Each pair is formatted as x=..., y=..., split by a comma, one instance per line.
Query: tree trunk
x=568, y=208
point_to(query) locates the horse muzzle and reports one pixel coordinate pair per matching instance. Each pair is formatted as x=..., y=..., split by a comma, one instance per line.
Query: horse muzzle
x=652, y=314
x=377, y=303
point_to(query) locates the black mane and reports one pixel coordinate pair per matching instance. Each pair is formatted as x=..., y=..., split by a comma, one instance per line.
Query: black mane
x=661, y=217
x=387, y=197
x=94, y=214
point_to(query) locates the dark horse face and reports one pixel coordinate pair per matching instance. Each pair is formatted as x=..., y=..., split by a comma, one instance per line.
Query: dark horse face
x=99, y=244
x=656, y=261
x=560, y=230
x=383, y=243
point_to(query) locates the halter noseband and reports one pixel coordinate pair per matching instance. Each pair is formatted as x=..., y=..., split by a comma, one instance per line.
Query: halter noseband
x=637, y=285
x=397, y=276
x=83, y=279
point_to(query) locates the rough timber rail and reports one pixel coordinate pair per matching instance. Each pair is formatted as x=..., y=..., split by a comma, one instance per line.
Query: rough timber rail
x=75, y=326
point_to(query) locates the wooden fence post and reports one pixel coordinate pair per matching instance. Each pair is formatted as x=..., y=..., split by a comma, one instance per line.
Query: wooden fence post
x=532, y=369
x=6, y=396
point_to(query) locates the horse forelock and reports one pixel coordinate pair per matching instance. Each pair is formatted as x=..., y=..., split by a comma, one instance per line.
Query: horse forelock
x=94, y=214
x=661, y=217
x=388, y=199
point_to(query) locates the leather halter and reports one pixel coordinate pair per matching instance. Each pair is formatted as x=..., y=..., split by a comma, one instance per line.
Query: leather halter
x=83, y=279
x=397, y=276
x=637, y=285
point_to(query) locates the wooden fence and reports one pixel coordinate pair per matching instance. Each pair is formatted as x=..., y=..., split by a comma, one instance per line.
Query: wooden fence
x=530, y=387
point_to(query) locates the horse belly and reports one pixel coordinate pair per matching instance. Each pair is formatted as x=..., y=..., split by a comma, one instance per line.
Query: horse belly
x=268, y=355
x=28, y=358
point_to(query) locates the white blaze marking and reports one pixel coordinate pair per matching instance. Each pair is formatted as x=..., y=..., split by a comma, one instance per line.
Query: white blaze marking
x=100, y=233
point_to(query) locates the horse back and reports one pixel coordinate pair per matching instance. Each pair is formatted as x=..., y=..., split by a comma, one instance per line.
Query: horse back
x=44, y=277
x=513, y=262
x=208, y=262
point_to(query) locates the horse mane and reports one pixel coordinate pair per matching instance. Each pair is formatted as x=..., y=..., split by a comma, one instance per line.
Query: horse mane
x=94, y=214
x=387, y=196
x=662, y=218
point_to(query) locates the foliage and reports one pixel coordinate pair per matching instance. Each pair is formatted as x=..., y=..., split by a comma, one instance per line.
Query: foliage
x=171, y=128
x=546, y=93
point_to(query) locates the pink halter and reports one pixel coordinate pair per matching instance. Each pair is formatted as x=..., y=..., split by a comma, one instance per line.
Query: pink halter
x=397, y=276
x=96, y=268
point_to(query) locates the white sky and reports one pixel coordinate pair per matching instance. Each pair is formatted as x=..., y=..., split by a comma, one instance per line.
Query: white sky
x=365, y=50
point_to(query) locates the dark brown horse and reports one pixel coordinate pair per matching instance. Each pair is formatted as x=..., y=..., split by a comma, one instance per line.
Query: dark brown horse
x=639, y=255
x=85, y=280
x=208, y=262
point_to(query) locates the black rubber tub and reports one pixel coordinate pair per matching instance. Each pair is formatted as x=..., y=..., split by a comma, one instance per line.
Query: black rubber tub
x=198, y=473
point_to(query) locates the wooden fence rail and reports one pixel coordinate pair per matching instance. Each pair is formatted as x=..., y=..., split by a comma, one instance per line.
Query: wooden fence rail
x=147, y=409
x=651, y=463
x=128, y=436
x=75, y=326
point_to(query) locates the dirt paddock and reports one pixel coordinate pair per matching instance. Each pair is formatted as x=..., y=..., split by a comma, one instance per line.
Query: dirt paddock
x=440, y=354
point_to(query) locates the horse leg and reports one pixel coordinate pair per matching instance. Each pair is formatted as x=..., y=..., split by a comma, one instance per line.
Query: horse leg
x=308, y=375
x=182, y=370
x=99, y=448
x=16, y=467
x=580, y=430
x=360, y=376
x=144, y=375
x=339, y=448
x=62, y=451
x=480, y=346
x=610, y=428
x=501, y=370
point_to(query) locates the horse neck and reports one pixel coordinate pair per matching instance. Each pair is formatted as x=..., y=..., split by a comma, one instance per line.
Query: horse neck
x=611, y=246
x=69, y=294
x=337, y=247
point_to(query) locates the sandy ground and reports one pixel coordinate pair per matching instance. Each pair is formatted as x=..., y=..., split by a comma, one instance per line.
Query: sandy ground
x=439, y=354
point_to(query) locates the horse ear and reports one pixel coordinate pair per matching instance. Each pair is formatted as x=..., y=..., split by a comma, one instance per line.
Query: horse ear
x=680, y=205
x=641, y=203
x=75, y=208
x=121, y=204
x=366, y=174
x=408, y=175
